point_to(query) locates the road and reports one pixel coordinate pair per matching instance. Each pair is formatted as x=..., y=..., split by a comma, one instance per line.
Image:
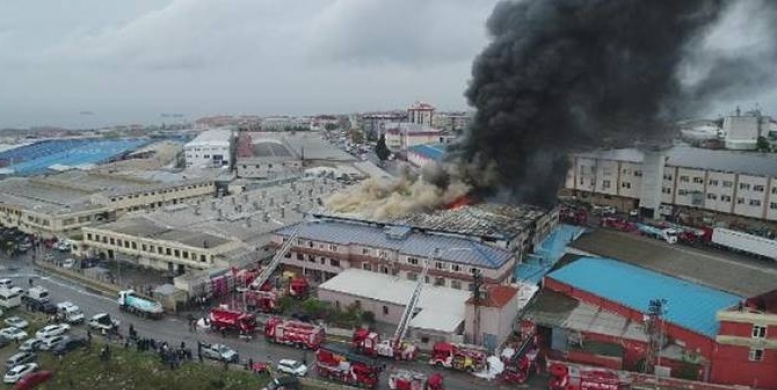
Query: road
x=174, y=329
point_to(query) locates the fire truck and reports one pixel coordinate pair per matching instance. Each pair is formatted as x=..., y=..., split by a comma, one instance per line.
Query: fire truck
x=224, y=318
x=295, y=333
x=519, y=365
x=412, y=380
x=460, y=357
x=369, y=343
x=261, y=293
x=574, y=377
x=339, y=364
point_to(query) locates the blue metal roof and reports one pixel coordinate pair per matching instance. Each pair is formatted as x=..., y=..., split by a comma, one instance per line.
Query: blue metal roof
x=414, y=244
x=434, y=152
x=545, y=256
x=689, y=305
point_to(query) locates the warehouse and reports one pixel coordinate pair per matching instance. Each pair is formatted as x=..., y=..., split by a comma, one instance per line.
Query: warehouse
x=440, y=311
x=597, y=311
x=211, y=148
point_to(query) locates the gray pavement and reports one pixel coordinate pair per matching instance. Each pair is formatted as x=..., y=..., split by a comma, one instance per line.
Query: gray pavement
x=174, y=329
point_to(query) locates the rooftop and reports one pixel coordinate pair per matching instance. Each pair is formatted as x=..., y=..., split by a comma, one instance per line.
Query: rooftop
x=433, y=152
x=554, y=309
x=691, y=306
x=212, y=137
x=413, y=244
x=307, y=145
x=497, y=296
x=720, y=270
x=441, y=308
x=143, y=227
x=410, y=128
x=688, y=157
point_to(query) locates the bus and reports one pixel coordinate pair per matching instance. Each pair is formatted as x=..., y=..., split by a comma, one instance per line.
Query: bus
x=10, y=299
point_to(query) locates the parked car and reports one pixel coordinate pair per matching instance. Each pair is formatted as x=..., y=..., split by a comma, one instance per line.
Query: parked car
x=283, y=383
x=6, y=283
x=49, y=343
x=17, y=290
x=68, y=263
x=43, y=307
x=4, y=341
x=68, y=344
x=52, y=330
x=103, y=321
x=292, y=367
x=220, y=352
x=13, y=333
x=15, y=374
x=31, y=345
x=16, y=322
x=20, y=358
x=30, y=381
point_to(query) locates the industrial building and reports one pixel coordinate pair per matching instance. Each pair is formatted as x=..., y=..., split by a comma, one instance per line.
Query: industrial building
x=402, y=136
x=211, y=148
x=61, y=204
x=591, y=311
x=421, y=113
x=232, y=230
x=374, y=125
x=489, y=238
x=685, y=183
x=267, y=155
x=51, y=156
x=421, y=155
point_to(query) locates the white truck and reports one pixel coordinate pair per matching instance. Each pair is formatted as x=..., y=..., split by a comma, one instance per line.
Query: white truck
x=103, y=322
x=745, y=242
x=38, y=294
x=70, y=312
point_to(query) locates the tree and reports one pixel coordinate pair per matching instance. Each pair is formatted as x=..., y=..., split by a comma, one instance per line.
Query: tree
x=356, y=135
x=762, y=145
x=368, y=317
x=330, y=126
x=381, y=150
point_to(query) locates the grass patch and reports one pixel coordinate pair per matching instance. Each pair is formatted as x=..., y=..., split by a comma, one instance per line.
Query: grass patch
x=132, y=370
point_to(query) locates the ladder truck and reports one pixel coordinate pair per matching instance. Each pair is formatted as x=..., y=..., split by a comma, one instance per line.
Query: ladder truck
x=266, y=301
x=368, y=342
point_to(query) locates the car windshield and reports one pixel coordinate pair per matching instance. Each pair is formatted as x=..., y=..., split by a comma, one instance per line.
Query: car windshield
x=223, y=349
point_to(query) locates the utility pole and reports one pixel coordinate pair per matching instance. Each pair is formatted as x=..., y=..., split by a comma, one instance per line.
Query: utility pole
x=655, y=331
x=477, y=283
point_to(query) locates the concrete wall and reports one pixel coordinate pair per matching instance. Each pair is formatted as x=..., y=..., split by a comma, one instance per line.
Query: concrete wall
x=494, y=321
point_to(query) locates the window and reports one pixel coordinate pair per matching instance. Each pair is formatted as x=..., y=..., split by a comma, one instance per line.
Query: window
x=773, y=206
x=759, y=332
x=113, y=242
x=756, y=355
x=334, y=263
x=668, y=177
x=626, y=185
x=168, y=251
x=755, y=202
x=713, y=182
x=698, y=180
x=185, y=254
x=712, y=196
x=440, y=265
x=311, y=259
x=412, y=260
x=744, y=186
x=159, y=250
x=637, y=173
x=666, y=190
x=89, y=236
x=126, y=244
x=425, y=339
x=682, y=192
x=202, y=258
x=774, y=190
x=740, y=200
x=333, y=248
x=367, y=266
x=684, y=179
x=134, y=245
x=439, y=281
x=728, y=184
x=605, y=184
x=456, y=284
x=177, y=253
x=143, y=247
x=455, y=268
x=385, y=310
x=758, y=188
x=300, y=256
x=118, y=242
x=366, y=251
x=725, y=198
x=427, y=279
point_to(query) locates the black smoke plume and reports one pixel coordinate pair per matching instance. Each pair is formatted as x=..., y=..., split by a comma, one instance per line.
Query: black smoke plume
x=567, y=75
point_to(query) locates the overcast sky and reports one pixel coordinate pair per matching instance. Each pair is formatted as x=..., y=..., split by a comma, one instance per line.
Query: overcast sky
x=130, y=61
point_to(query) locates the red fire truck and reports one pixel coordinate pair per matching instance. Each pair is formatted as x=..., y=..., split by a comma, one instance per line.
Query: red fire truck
x=337, y=363
x=461, y=357
x=369, y=343
x=523, y=361
x=264, y=301
x=412, y=380
x=295, y=333
x=223, y=318
x=574, y=377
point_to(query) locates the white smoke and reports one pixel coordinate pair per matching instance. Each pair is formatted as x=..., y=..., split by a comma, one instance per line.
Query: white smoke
x=392, y=198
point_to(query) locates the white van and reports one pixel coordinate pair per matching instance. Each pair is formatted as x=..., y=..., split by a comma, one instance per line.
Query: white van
x=10, y=299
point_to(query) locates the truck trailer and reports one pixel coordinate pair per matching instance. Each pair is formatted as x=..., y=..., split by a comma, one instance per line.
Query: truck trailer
x=745, y=242
x=130, y=302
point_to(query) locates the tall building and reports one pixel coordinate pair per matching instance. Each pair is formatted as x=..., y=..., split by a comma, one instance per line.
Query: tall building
x=212, y=148
x=421, y=113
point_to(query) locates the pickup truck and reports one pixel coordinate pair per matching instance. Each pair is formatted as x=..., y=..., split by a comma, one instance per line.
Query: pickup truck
x=103, y=322
x=219, y=352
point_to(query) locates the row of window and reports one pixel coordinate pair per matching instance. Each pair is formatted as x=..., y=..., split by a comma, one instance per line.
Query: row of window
x=159, y=250
x=312, y=259
x=169, y=190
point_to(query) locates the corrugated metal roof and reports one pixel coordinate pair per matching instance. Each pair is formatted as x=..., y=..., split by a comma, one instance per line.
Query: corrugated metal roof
x=415, y=244
x=697, y=158
x=433, y=152
x=689, y=305
x=441, y=308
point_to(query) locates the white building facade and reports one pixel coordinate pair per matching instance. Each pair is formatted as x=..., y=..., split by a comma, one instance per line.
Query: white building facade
x=212, y=148
x=421, y=113
x=663, y=183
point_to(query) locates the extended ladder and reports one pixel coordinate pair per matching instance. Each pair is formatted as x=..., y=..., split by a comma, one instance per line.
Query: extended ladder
x=276, y=260
x=407, y=315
